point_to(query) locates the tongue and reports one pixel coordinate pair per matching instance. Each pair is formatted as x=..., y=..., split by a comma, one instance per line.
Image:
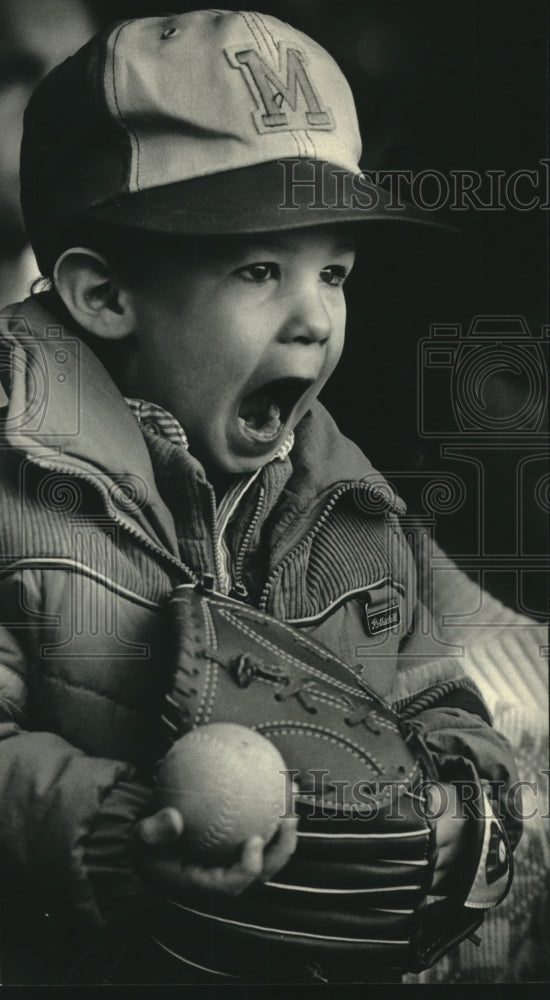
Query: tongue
x=261, y=413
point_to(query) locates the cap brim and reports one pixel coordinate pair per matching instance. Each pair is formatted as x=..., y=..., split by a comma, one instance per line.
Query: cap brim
x=266, y=197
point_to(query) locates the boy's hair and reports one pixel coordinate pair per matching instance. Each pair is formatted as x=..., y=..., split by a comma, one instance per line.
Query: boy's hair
x=132, y=254
x=204, y=123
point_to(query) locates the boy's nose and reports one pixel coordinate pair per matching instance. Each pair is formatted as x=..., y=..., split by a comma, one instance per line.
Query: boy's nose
x=308, y=320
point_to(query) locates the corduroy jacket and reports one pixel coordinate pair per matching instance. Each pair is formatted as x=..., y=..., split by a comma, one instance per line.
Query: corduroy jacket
x=92, y=545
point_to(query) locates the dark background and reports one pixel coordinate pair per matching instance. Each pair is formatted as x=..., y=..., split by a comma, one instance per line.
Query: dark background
x=447, y=86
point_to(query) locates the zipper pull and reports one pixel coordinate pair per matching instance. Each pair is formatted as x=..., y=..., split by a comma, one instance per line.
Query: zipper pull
x=239, y=592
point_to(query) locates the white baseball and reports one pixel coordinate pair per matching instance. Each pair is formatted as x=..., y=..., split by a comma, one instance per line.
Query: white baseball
x=229, y=783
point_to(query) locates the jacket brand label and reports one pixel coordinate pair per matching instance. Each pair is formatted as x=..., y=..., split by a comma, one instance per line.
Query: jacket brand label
x=277, y=91
x=383, y=620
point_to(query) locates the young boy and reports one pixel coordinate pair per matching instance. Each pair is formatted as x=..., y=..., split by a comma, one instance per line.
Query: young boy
x=190, y=186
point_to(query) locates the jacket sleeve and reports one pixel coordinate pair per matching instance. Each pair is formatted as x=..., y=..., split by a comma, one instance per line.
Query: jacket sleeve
x=66, y=818
x=465, y=654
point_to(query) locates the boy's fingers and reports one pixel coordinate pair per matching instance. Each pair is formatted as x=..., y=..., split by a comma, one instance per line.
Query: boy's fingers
x=281, y=849
x=252, y=865
x=163, y=827
x=252, y=857
x=230, y=881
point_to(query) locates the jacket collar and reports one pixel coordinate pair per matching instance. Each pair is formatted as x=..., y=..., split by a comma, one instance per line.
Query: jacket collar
x=60, y=396
x=65, y=411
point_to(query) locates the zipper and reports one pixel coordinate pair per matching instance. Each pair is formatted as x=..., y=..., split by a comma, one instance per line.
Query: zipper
x=222, y=558
x=219, y=573
x=239, y=562
x=167, y=557
x=410, y=707
x=323, y=517
x=111, y=510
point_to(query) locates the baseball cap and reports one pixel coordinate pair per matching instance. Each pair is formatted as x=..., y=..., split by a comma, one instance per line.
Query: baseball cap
x=208, y=122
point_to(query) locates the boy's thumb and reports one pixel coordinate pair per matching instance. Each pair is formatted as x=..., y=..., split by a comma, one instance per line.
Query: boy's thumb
x=160, y=829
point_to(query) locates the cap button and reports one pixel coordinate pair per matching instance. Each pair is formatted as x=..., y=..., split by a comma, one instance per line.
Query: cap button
x=169, y=32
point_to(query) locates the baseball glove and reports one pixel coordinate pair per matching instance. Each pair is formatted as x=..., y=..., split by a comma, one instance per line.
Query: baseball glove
x=355, y=896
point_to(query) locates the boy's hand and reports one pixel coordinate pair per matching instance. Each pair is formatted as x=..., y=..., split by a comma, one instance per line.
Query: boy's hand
x=161, y=859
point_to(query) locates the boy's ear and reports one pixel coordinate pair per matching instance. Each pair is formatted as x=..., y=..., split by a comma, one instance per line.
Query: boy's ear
x=92, y=295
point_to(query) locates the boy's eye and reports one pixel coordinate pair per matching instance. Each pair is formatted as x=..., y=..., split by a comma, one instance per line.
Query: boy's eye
x=334, y=274
x=258, y=273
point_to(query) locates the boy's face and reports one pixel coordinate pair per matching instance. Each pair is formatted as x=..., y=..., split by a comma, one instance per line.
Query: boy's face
x=238, y=342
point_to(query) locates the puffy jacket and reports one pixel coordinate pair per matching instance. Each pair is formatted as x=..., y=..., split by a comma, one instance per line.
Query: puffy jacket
x=90, y=552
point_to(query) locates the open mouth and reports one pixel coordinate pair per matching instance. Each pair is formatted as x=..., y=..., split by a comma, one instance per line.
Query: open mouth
x=263, y=413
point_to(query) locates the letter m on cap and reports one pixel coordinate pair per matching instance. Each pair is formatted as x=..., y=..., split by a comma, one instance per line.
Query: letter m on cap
x=285, y=96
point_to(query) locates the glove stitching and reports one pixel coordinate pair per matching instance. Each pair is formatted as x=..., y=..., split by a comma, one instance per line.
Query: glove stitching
x=211, y=679
x=265, y=644
x=208, y=623
x=326, y=735
x=385, y=723
x=323, y=696
x=239, y=622
x=210, y=692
